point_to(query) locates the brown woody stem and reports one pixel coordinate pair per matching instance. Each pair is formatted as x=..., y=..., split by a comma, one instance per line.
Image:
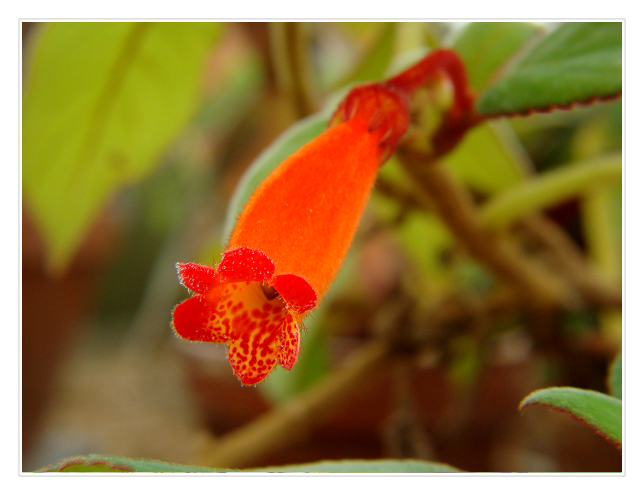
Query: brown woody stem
x=454, y=205
x=570, y=261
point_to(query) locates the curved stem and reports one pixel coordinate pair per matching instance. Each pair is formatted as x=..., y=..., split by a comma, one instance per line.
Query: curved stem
x=285, y=424
x=549, y=189
x=439, y=60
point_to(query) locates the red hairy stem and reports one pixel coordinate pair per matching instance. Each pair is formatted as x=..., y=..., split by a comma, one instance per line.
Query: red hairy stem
x=441, y=60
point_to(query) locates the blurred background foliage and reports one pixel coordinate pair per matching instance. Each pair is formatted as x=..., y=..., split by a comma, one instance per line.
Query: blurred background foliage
x=136, y=138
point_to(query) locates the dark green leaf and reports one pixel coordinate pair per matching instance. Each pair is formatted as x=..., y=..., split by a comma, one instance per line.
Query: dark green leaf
x=575, y=63
x=615, y=377
x=117, y=464
x=485, y=47
x=600, y=412
x=102, y=102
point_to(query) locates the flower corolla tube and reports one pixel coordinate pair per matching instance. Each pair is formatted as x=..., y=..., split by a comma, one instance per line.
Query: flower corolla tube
x=292, y=236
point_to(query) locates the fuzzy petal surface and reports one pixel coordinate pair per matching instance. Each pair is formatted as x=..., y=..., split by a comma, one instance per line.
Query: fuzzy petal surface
x=245, y=265
x=197, y=319
x=288, y=342
x=197, y=278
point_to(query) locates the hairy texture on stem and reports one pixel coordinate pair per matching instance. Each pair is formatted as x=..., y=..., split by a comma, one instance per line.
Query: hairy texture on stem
x=462, y=115
x=441, y=60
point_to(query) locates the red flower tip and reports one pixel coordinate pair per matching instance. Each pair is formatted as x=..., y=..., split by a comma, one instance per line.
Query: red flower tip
x=381, y=109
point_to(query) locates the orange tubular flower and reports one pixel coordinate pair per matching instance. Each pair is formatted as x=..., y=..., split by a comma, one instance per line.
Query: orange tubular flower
x=292, y=236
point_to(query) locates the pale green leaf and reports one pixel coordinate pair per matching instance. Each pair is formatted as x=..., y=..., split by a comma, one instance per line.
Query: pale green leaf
x=102, y=102
x=490, y=159
x=96, y=463
x=119, y=464
x=374, y=64
x=364, y=466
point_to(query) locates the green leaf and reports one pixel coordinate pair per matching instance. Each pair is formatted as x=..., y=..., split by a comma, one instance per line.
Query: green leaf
x=600, y=412
x=360, y=466
x=106, y=463
x=615, y=377
x=96, y=463
x=288, y=143
x=102, y=102
x=490, y=159
x=485, y=47
x=577, y=62
x=375, y=62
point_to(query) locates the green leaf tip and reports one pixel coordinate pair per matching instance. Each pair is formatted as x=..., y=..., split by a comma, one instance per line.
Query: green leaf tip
x=601, y=412
x=615, y=377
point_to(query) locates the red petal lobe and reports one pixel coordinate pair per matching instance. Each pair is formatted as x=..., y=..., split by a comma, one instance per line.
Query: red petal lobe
x=297, y=293
x=253, y=355
x=288, y=342
x=197, y=278
x=245, y=264
x=196, y=319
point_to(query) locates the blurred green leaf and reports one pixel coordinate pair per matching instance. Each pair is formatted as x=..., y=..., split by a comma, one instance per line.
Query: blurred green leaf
x=102, y=102
x=363, y=466
x=575, y=63
x=615, y=377
x=425, y=238
x=95, y=463
x=422, y=236
x=490, y=159
x=600, y=412
x=485, y=47
x=107, y=463
x=375, y=62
